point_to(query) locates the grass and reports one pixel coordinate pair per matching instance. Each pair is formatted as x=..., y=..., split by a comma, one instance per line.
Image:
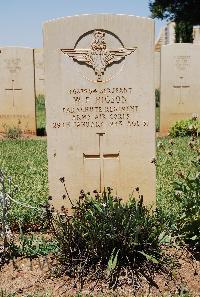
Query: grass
x=40, y=115
x=172, y=157
x=26, y=162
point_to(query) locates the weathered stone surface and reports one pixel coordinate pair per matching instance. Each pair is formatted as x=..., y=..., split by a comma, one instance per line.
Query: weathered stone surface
x=17, y=93
x=180, y=71
x=100, y=105
x=39, y=71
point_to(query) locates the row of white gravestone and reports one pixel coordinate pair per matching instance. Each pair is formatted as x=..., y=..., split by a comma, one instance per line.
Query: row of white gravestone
x=22, y=76
x=21, y=79
x=177, y=72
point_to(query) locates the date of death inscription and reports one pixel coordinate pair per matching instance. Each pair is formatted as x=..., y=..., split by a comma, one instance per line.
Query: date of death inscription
x=94, y=108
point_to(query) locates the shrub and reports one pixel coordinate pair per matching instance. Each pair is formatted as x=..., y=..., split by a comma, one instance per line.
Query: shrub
x=12, y=132
x=185, y=127
x=105, y=234
x=188, y=196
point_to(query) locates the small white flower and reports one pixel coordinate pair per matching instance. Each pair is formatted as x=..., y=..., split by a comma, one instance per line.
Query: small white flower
x=195, y=116
x=178, y=193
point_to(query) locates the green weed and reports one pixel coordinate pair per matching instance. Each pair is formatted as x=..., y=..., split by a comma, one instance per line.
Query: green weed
x=185, y=127
x=106, y=233
x=188, y=197
x=32, y=246
x=12, y=132
x=173, y=156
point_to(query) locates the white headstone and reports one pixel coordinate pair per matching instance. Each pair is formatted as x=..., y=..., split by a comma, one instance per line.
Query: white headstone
x=17, y=89
x=100, y=105
x=180, y=87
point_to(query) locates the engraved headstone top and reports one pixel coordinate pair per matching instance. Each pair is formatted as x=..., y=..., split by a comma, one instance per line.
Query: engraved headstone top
x=98, y=56
x=17, y=90
x=100, y=105
x=180, y=69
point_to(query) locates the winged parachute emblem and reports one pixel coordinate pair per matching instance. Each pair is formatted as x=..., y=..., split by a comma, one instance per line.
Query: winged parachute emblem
x=98, y=57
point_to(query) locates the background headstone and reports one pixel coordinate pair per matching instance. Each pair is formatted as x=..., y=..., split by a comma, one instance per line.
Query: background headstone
x=39, y=71
x=17, y=89
x=100, y=105
x=180, y=83
x=196, y=35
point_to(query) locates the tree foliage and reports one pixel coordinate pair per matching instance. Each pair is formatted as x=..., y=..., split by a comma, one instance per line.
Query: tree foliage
x=184, y=32
x=185, y=13
x=176, y=10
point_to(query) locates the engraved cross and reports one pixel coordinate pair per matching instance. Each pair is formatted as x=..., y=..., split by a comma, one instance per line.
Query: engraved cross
x=101, y=157
x=181, y=86
x=13, y=89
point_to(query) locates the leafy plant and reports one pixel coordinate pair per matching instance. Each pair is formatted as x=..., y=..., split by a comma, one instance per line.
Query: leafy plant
x=182, y=293
x=173, y=156
x=32, y=247
x=180, y=200
x=14, y=132
x=188, y=197
x=103, y=232
x=185, y=128
x=112, y=262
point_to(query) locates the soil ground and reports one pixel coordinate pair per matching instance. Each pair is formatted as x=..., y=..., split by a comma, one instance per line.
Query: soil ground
x=24, y=277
